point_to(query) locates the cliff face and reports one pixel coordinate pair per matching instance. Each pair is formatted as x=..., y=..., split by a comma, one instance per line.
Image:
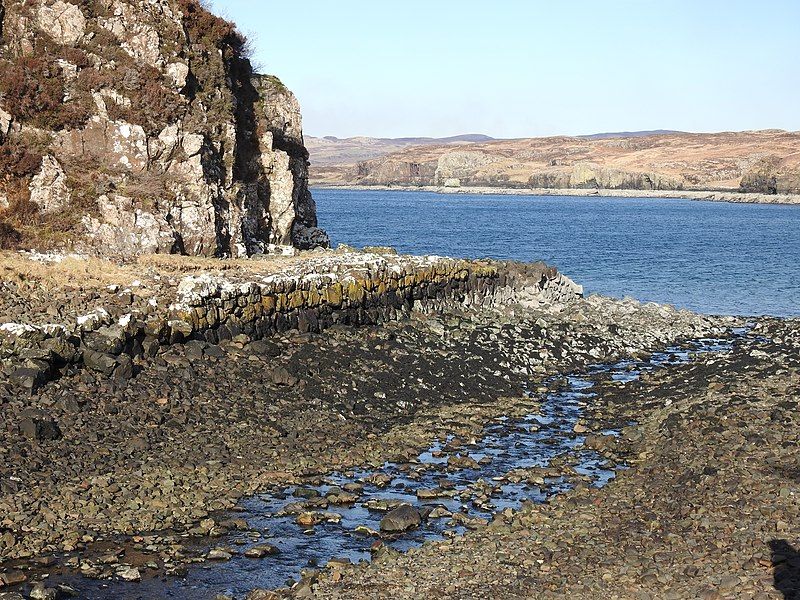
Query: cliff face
x=755, y=161
x=138, y=126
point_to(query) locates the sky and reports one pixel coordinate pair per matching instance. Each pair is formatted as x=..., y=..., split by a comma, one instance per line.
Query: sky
x=524, y=68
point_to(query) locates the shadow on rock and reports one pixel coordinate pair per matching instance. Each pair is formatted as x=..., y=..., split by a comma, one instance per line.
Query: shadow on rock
x=786, y=566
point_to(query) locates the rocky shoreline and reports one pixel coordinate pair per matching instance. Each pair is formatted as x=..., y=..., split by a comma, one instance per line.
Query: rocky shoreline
x=708, y=196
x=709, y=509
x=120, y=478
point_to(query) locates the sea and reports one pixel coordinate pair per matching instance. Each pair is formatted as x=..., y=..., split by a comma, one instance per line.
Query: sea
x=711, y=257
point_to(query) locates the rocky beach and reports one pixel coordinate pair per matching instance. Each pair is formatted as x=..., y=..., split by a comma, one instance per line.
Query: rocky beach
x=123, y=472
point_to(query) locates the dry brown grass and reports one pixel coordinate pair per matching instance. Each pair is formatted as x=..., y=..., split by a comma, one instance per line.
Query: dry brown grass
x=69, y=273
x=96, y=273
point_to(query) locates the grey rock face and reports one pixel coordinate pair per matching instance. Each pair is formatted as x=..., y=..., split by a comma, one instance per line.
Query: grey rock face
x=177, y=146
x=49, y=188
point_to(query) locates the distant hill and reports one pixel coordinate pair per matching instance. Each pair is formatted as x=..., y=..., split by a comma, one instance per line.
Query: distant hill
x=628, y=134
x=756, y=161
x=330, y=150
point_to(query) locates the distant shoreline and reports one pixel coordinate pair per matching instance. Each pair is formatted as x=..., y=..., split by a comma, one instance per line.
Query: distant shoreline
x=710, y=196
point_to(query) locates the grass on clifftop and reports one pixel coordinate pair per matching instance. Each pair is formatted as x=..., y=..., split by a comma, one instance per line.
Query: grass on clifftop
x=94, y=273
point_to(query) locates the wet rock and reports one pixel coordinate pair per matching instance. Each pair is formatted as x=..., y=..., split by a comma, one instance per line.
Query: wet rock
x=402, y=518
x=130, y=574
x=302, y=492
x=461, y=462
x=40, y=592
x=341, y=498
x=309, y=519
x=364, y=530
x=237, y=524
x=220, y=554
x=261, y=551
x=380, y=479
x=425, y=494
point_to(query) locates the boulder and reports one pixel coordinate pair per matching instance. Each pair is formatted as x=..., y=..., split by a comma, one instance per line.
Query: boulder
x=40, y=430
x=402, y=518
x=48, y=187
x=99, y=361
x=62, y=21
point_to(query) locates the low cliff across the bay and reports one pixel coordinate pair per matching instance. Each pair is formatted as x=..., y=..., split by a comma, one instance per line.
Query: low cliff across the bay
x=130, y=128
x=110, y=324
x=748, y=162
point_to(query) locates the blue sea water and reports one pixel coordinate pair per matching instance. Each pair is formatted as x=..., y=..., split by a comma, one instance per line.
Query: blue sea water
x=712, y=257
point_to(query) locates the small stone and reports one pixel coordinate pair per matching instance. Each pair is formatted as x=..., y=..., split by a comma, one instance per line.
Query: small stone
x=219, y=554
x=302, y=492
x=40, y=430
x=13, y=578
x=130, y=574
x=124, y=368
x=308, y=519
x=40, y=592
x=261, y=551
x=281, y=376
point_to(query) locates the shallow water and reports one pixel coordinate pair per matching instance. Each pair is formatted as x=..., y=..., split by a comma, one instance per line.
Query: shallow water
x=712, y=257
x=506, y=444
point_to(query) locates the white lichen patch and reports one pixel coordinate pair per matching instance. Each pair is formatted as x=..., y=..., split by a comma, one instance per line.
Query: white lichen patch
x=88, y=321
x=17, y=329
x=50, y=257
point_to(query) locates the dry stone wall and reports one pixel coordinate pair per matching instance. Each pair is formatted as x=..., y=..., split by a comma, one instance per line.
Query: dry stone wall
x=309, y=297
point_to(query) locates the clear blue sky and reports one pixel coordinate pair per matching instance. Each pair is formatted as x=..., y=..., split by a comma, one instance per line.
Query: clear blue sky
x=518, y=68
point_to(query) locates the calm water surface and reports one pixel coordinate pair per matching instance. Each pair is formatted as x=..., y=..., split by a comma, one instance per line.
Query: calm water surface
x=711, y=257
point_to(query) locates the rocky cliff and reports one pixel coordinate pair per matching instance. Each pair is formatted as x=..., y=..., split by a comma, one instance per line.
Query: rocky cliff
x=765, y=162
x=139, y=126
